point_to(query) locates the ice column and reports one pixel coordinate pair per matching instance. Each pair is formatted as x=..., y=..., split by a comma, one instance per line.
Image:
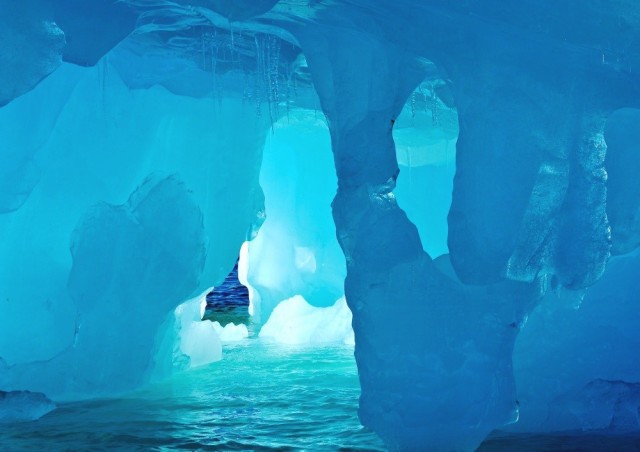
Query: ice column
x=434, y=356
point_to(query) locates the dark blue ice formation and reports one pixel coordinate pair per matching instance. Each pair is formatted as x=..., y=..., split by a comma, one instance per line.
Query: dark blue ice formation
x=131, y=143
x=22, y=406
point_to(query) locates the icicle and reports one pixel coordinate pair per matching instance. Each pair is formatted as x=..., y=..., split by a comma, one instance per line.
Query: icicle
x=414, y=96
x=258, y=75
x=434, y=108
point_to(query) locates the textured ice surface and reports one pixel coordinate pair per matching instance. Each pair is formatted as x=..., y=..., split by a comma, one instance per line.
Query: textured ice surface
x=92, y=29
x=117, y=208
x=583, y=344
x=31, y=45
x=17, y=406
x=231, y=332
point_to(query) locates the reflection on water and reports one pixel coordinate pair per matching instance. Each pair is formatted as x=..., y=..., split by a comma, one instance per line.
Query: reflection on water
x=260, y=397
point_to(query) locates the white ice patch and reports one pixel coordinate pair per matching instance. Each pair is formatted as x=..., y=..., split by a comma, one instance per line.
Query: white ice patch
x=305, y=259
x=197, y=339
x=296, y=322
x=231, y=332
x=243, y=277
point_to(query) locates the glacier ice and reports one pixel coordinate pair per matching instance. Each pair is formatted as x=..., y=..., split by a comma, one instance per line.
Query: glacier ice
x=466, y=193
x=425, y=135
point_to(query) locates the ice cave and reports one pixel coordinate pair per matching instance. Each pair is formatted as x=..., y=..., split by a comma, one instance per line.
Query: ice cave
x=320, y=225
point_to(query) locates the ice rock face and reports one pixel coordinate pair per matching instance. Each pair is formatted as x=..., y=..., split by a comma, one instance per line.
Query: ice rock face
x=547, y=213
x=158, y=233
x=20, y=406
x=434, y=339
x=31, y=46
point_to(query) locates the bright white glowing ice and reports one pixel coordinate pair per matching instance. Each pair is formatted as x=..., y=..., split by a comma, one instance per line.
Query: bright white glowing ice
x=296, y=322
x=197, y=340
x=231, y=332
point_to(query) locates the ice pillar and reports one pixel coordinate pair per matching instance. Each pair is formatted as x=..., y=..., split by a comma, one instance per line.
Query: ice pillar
x=434, y=356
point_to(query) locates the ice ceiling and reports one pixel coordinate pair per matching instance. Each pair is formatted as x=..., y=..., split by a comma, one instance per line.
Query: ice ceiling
x=489, y=278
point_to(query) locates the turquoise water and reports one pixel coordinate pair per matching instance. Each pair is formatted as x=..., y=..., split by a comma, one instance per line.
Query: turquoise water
x=259, y=397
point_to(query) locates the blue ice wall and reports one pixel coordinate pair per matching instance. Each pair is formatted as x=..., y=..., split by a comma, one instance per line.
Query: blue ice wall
x=105, y=202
